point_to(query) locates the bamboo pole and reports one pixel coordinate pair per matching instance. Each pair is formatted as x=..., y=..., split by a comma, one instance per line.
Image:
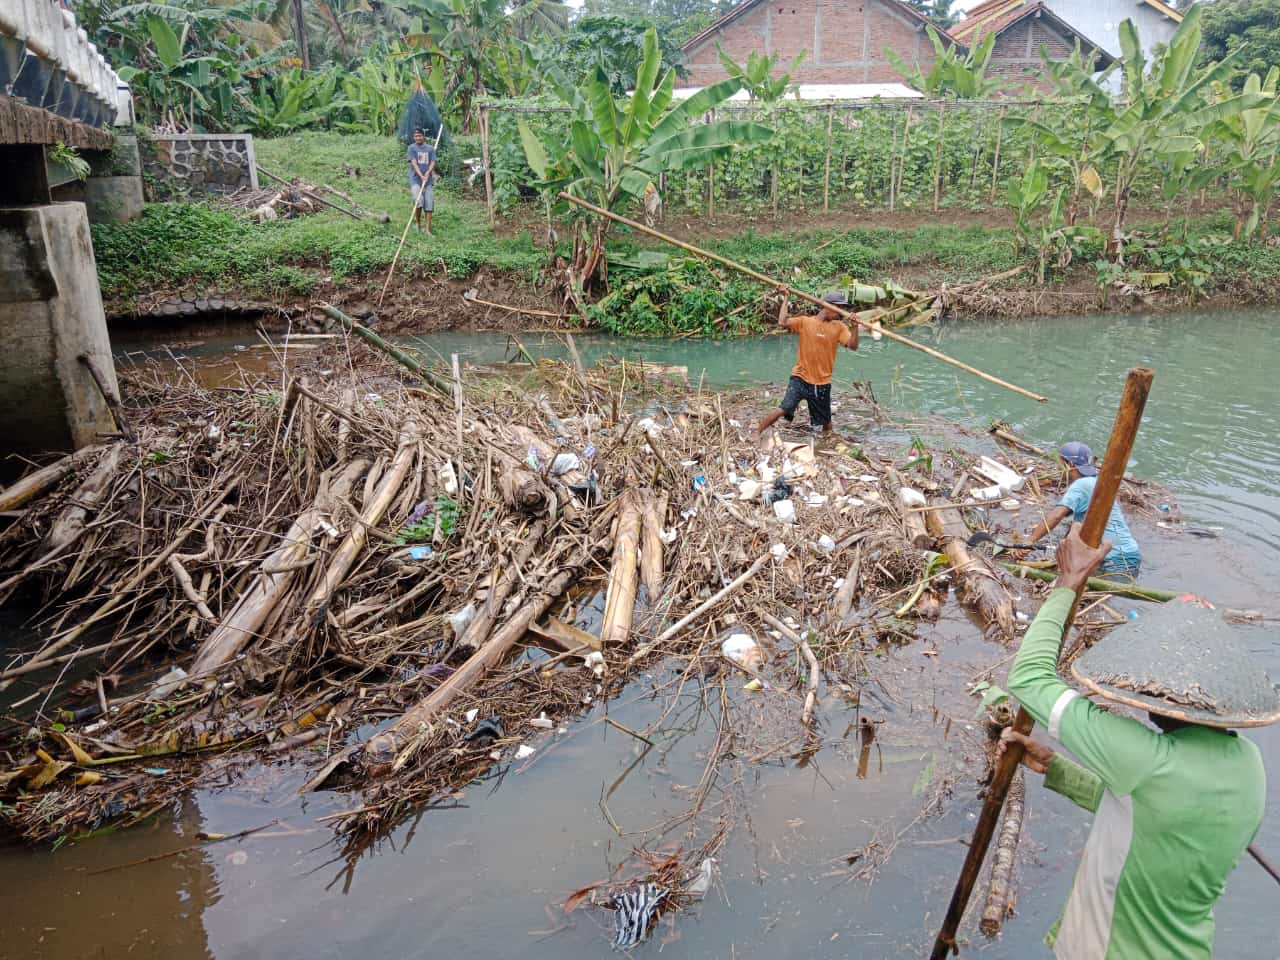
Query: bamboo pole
x=1119, y=446
x=893, y=165
x=34, y=484
x=826, y=174
x=937, y=162
x=995, y=163
x=652, y=550
x=395, y=353
x=109, y=395
x=769, y=281
x=488, y=175
x=1134, y=591
x=906, y=139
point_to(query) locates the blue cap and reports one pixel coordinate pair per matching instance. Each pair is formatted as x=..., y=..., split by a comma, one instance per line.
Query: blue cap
x=1079, y=456
x=837, y=298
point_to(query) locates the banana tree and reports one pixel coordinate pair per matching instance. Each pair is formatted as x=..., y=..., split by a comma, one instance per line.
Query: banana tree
x=1253, y=137
x=951, y=74
x=757, y=73
x=617, y=152
x=1162, y=110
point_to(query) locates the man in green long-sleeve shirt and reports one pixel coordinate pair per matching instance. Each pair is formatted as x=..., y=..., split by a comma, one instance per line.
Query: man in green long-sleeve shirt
x=1174, y=809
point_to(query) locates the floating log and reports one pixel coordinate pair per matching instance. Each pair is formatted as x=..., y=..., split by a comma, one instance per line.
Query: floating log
x=275, y=575
x=1000, y=895
x=977, y=587
x=620, y=602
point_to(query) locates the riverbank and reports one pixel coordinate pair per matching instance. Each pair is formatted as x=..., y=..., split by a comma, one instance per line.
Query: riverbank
x=180, y=258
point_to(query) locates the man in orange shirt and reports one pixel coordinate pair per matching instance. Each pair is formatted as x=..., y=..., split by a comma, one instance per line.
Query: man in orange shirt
x=820, y=336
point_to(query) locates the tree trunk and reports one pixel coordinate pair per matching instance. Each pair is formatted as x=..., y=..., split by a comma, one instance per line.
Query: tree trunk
x=300, y=34
x=1001, y=894
x=977, y=587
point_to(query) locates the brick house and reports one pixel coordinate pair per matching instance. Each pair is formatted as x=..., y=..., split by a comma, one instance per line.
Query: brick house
x=1022, y=30
x=845, y=39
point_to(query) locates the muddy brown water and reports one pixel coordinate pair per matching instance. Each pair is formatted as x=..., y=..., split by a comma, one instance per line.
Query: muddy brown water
x=485, y=877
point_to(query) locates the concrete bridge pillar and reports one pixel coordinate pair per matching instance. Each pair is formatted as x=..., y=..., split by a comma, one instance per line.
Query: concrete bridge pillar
x=113, y=191
x=50, y=314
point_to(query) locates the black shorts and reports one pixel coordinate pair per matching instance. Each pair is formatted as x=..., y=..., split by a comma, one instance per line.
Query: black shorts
x=817, y=396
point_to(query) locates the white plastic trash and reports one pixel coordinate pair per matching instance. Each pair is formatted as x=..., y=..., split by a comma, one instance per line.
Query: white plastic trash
x=784, y=510
x=1011, y=504
x=743, y=650
x=911, y=497
x=541, y=722
x=748, y=489
x=170, y=683
x=825, y=544
x=448, y=478
x=564, y=462
x=998, y=473
x=595, y=662
x=779, y=552
x=524, y=751
x=459, y=620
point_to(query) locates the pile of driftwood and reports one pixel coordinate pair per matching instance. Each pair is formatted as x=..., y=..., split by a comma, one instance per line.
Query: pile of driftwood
x=400, y=579
x=295, y=198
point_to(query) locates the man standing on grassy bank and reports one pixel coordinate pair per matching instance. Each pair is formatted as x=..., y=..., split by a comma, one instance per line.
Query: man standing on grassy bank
x=422, y=168
x=820, y=336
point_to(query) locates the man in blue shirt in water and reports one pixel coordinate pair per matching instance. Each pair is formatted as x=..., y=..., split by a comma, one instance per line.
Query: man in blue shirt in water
x=1125, y=557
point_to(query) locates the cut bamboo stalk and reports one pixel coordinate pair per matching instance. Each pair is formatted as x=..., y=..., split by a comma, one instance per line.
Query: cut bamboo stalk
x=370, y=516
x=799, y=294
x=108, y=395
x=1123, y=433
x=274, y=578
x=1000, y=892
x=906, y=139
x=620, y=602
x=389, y=743
x=34, y=484
x=652, y=552
x=937, y=163
x=849, y=589
x=1135, y=591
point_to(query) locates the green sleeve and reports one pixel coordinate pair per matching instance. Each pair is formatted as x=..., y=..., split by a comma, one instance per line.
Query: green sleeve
x=1122, y=752
x=1074, y=782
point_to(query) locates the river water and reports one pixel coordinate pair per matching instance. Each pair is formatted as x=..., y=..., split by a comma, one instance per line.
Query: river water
x=485, y=878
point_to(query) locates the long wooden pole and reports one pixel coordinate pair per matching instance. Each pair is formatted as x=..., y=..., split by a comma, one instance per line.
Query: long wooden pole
x=1123, y=432
x=488, y=175
x=816, y=301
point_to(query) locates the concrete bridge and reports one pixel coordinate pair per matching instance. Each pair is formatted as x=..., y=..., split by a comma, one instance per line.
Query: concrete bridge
x=55, y=87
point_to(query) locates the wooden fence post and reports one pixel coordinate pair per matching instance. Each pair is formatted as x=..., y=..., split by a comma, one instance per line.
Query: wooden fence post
x=995, y=163
x=902, y=157
x=711, y=180
x=826, y=174
x=488, y=174
x=937, y=162
x=893, y=163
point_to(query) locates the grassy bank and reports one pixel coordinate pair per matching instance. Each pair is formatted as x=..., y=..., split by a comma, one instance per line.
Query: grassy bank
x=205, y=246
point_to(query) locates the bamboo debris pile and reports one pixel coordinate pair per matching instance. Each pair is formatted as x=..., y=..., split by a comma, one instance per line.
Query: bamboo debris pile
x=284, y=566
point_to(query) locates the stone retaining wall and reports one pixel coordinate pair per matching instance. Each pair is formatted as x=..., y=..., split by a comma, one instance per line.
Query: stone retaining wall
x=193, y=164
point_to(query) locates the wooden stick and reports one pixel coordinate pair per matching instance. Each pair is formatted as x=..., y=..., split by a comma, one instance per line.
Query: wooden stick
x=478, y=629
x=109, y=395
x=1264, y=863
x=702, y=608
x=816, y=301
x=826, y=175
x=652, y=549
x=995, y=164
x=488, y=175
x=391, y=270
x=1123, y=432
x=937, y=163
x=1134, y=591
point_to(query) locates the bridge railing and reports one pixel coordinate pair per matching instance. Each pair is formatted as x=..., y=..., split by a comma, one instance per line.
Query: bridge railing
x=46, y=59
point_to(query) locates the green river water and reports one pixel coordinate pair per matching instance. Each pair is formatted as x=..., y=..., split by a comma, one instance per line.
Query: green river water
x=485, y=879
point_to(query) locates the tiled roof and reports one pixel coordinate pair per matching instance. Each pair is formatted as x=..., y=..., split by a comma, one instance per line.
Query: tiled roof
x=996, y=16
